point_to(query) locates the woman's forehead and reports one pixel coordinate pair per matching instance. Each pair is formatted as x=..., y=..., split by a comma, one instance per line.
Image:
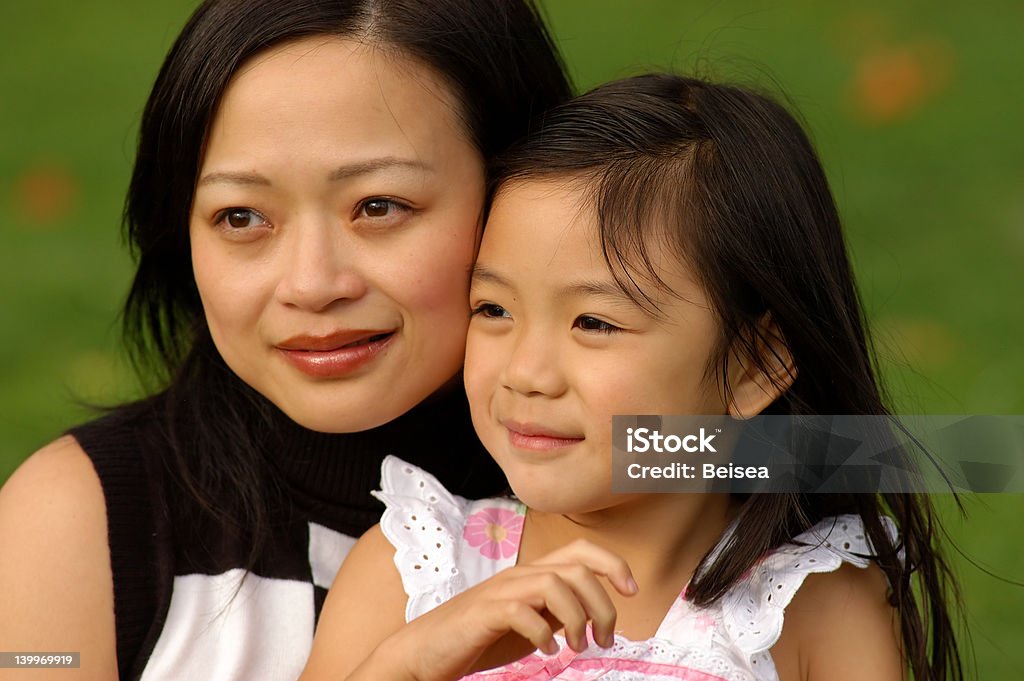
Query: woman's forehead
x=337, y=98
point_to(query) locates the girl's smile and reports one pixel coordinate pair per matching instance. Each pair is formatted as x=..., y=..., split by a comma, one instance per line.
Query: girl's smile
x=537, y=437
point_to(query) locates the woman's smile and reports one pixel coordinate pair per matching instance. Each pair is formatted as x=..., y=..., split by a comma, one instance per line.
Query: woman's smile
x=337, y=354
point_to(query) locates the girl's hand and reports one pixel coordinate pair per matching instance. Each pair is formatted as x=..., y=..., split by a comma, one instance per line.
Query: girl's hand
x=511, y=614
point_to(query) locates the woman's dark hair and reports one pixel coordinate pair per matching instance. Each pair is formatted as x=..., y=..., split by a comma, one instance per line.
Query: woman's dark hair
x=504, y=70
x=728, y=180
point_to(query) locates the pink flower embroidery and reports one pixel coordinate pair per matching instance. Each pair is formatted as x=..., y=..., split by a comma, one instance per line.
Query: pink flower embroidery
x=495, y=531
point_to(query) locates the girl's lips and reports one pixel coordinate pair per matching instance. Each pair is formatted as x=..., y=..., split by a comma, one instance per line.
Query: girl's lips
x=336, y=355
x=536, y=437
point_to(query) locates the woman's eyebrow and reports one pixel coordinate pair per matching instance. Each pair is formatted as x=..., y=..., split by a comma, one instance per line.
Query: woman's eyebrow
x=342, y=172
x=233, y=178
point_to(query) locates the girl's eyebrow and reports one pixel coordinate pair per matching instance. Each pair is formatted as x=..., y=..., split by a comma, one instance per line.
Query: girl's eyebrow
x=590, y=287
x=342, y=172
x=483, y=273
x=576, y=289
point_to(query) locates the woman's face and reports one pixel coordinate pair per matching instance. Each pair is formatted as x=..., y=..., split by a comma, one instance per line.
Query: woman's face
x=335, y=219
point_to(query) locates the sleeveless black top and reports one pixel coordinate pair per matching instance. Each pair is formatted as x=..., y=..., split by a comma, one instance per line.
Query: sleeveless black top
x=185, y=604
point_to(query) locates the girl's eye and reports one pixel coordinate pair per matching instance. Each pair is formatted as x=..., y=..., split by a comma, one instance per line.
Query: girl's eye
x=240, y=218
x=380, y=208
x=594, y=325
x=491, y=310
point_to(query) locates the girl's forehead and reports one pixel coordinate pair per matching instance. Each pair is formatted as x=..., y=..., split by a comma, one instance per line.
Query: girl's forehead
x=550, y=214
x=548, y=231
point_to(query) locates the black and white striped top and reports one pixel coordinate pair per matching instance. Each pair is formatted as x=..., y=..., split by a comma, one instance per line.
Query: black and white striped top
x=185, y=607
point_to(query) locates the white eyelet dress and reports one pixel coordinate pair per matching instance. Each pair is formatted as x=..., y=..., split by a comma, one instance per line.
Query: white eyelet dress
x=445, y=544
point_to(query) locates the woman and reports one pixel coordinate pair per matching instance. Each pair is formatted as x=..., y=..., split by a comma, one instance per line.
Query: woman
x=305, y=204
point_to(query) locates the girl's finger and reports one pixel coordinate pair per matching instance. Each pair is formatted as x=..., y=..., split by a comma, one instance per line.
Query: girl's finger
x=600, y=561
x=571, y=593
x=528, y=623
x=560, y=601
x=595, y=601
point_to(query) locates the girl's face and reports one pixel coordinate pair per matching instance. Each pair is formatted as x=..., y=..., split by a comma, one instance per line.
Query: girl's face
x=556, y=349
x=335, y=220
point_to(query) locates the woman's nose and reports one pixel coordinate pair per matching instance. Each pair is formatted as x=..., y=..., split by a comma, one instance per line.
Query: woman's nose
x=533, y=367
x=318, y=266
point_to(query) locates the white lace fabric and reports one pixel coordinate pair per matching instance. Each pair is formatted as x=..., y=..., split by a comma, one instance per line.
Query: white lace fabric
x=445, y=544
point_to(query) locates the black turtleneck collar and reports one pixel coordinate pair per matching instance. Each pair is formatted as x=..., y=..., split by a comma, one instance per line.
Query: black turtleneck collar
x=338, y=471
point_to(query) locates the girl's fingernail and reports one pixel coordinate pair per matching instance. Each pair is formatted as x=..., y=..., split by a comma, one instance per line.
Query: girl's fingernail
x=631, y=585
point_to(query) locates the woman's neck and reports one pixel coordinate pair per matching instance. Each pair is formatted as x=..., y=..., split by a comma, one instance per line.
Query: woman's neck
x=436, y=435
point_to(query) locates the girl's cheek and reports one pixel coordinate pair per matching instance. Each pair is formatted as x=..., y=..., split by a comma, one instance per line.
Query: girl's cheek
x=483, y=366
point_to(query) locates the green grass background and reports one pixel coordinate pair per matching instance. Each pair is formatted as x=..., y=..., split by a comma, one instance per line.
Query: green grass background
x=915, y=107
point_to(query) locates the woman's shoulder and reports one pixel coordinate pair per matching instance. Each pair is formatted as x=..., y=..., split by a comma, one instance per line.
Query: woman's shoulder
x=58, y=479
x=55, y=568
x=82, y=512
x=56, y=487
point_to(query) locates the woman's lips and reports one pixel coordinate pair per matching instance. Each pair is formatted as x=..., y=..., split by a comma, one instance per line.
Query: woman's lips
x=538, y=437
x=334, y=355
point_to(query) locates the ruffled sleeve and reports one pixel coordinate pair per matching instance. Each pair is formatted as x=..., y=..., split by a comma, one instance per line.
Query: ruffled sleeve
x=752, y=612
x=443, y=543
x=424, y=522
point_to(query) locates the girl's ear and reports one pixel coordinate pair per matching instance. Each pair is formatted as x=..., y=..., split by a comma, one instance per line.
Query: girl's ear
x=756, y=382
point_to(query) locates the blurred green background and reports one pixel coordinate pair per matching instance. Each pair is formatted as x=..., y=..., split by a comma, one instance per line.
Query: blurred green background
x=915, y=107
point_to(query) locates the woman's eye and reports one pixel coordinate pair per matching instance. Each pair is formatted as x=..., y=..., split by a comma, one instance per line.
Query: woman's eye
x=491, y=310
x=593, y=324
x=380, y=208
x=240, y=218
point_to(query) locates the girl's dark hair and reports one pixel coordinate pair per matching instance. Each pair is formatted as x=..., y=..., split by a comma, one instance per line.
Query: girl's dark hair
x=729, y=181
x=504, y=70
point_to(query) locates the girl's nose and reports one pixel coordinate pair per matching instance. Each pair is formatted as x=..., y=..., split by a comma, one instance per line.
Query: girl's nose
x=318, y=267
x=533, y=368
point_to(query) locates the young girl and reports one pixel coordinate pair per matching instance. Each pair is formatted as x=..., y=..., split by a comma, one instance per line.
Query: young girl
x=305, y=205
x=662, y=246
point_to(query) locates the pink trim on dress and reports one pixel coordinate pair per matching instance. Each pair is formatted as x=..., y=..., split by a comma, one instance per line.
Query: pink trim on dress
x=568, y=666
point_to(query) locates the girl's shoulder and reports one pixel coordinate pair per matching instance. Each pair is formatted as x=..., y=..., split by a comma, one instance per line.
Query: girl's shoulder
x=755, y=607
x=832, y=597
x=840, y=626
x=443, y=543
